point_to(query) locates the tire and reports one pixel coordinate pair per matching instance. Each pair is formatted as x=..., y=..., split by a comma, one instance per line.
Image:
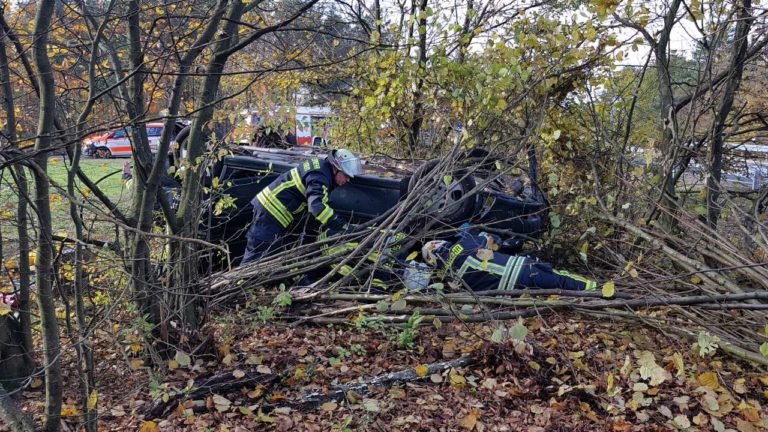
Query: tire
x=102, y=152
x=451, y=207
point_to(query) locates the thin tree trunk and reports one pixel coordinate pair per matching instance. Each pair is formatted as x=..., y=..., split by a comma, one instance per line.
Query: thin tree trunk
x=21, y=205
x=418, y=103
x=44, y=262
x=715, y=155
x=185, y=273
x=465, y=37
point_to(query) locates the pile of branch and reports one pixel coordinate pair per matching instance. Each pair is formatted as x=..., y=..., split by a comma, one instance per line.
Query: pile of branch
x=693, y=281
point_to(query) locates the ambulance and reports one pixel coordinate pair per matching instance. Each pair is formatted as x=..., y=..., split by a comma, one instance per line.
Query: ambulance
x=117, y=143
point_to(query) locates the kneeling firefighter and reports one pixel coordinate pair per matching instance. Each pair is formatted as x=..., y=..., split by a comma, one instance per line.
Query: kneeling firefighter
x=475, y=261
x=285, y=200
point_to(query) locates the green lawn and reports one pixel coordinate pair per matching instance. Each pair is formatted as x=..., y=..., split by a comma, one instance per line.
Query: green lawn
x=106, y=173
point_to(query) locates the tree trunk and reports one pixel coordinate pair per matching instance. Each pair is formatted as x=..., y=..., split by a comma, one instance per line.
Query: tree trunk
x=669, y=141
x=44, y=263
x=736, y=66
x=21, y=206
x=418, y=104
x=183, y=299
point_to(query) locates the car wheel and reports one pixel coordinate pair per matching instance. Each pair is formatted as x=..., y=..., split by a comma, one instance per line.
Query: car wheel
x=103, y=152
x=451, y=204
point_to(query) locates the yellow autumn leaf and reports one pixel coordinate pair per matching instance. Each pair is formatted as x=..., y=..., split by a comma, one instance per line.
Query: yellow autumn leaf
x=457, y=380
x=93, y=399
x=4, y=309
x=69, y=411
x=412, y=256
x=609, y=289
x=677, y=358
x=709, y=379
x=609, y=384
x=422, y=371
x=469, y=422
x=137, y=363
x=633, y=272
x=695, y=280
x=149, y=426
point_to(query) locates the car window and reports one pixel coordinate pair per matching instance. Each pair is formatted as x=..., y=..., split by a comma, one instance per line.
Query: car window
x=121, y=133
x=154, y=131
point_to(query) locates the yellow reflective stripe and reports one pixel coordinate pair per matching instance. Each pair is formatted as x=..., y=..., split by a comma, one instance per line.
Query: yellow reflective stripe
x=267, y=198
x=590, y=284
x=272, y=198
x=516, y=272
x=306, y=166
x=316, y=163
x=507, y=272
x=327, y=213
x=272, y=210
x=297, y=181
x=455, y=252
x=488, y=267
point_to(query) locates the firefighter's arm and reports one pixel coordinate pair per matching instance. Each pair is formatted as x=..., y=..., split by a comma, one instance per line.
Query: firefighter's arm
x=318, y=201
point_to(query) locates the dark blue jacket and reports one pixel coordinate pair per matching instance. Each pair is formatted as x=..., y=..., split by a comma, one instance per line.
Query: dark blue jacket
x=502, y=271
x=307, y=186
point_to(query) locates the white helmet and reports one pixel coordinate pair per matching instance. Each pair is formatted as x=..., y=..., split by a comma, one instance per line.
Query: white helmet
x=346, y=162
x=429, y=251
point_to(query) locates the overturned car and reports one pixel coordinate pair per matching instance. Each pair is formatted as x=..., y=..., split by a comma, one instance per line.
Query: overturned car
x=477, y=189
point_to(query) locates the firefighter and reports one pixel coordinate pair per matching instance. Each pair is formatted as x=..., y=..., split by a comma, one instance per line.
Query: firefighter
x=306, y=187
x=474, y=259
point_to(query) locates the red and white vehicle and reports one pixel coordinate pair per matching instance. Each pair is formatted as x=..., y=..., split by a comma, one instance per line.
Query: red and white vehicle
x=117, y=143
x=308, y=124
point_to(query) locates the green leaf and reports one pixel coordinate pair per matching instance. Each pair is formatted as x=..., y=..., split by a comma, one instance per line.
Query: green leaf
x=498, y=335
x=554, y=219
x=519, y=331
x=764, y=349
x=182, y=358
x=399, y=305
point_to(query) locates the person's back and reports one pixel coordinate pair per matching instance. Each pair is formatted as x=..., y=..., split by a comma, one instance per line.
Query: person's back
x=306, y=187
x=473, y=260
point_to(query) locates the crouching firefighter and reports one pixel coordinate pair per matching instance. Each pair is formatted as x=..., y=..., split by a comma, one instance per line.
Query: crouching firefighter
x=306, y=187
x=473, y=259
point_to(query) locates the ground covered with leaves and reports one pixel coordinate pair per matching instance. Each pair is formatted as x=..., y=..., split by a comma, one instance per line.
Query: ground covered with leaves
x=566, y=373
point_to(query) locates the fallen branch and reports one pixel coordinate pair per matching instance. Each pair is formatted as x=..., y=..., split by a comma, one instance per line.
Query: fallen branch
x=314, y=400
x=220, y=383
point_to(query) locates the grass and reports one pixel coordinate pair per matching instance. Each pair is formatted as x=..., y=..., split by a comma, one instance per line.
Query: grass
x=106, y=173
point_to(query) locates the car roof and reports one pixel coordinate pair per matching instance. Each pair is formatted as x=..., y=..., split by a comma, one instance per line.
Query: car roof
x=295, y=155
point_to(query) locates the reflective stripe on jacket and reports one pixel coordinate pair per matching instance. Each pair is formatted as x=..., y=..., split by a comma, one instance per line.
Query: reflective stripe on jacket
x=306, y=186
x=500, y=272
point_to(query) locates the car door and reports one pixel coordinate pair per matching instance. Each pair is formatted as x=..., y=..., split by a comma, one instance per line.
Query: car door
x=119, y=143
x=153, y=134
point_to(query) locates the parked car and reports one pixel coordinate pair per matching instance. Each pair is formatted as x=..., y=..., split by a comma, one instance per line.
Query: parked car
x=504, y=204
x=117, y=143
